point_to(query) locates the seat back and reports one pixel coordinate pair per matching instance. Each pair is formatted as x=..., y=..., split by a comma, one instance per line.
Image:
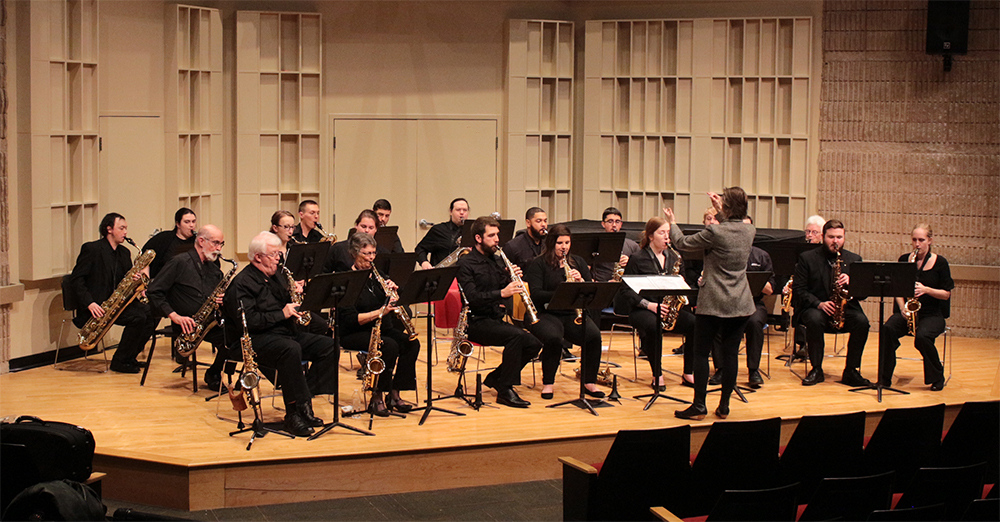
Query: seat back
x=736, y=456
x=68, y=296
x=762, y=504
x=955, y=487
x=929, y=513
x=905, y=440
x=974, y=437
x=824, y=446
x=849, y=498
x=446, y=310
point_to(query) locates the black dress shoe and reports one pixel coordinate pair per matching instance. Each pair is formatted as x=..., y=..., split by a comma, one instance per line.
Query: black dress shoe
x=398, y=404
x=852, y=377
x=815, y=376
x=679, y=350
x=722, y=411
x=685, y=382
x=547, y=395
x=296, y=425
x=801, y=353
x=213, y=384
x=755, y=379
x=595, y=394
x=692, y=412
x=306, y=411
x=938, y=386
x=715, y=379
x=124, y=368
x=509, y=397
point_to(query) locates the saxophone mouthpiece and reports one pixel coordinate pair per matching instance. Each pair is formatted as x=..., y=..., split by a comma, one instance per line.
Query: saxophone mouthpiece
x=129, y=241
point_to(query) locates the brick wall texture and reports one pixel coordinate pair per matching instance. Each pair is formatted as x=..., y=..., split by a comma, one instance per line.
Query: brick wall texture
x=904, y=142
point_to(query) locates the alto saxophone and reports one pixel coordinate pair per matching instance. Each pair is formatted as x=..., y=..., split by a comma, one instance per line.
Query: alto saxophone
x=304, y=317
x=127, y=290
x=569, y=278
x=673, y=303
x=530, y=313
x=912, y=305
x=331, y=238
x=374, y=365
x=617, y=272
x=250, y=377
x=838, y=295
x=404, y=317
x=205, y=318
x=786, y=296
x=461, y=348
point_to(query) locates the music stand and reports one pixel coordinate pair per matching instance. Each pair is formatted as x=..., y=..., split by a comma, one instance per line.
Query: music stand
x=756, y=280
x=598, y=247
x=506, y=232
x=305, y=260
x=387, y=236
x=426, y=286
x=884, y=280
x=331, y=291
x=396, y=267
x=583, y=296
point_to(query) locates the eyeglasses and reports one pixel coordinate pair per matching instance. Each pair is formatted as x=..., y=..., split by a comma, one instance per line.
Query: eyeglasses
x=287, y=227
x=368, y=254
x=273, y=255
x=613, y=221
x=216, y=243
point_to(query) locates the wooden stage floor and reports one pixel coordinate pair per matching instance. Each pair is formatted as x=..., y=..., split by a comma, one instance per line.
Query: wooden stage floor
x=162, y=445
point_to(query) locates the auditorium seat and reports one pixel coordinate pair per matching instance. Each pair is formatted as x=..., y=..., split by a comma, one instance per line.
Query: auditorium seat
x=746, y=505
x=905, y=440
x=736, y=456
x=974, y=437
x=848, y=498
x=955, y=487
x=929, y=513
x=823, y=446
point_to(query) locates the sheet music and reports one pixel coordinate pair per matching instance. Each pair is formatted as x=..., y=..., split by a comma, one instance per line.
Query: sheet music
x=655, y=282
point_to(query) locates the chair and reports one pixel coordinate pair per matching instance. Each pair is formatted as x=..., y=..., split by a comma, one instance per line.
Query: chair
x=955, y=487
x=620, y=322
x=191, y=363
x=824, y=446
x=849, y=498
x=935, y=512
x=70, y=305
x=905, y=440
x=643, y=468
x=738, y=505
x=983, y=509
x=736, y=456
x=945, y=359
x=974, y=437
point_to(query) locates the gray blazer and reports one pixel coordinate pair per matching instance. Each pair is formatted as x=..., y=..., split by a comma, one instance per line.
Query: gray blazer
x=724, y=289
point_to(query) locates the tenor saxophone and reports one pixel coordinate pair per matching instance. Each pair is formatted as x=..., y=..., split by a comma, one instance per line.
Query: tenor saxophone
x=569, y=278
x=461, y=348
x=673, y=303
x=530, y=313
x=838, y=295
x=205, y=318
x=404, y=317
x=374, y=365
x=912, y=305
x=128, y=289
x=304, y=316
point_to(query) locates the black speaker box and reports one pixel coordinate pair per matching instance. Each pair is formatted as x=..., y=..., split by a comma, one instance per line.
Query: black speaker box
x=947, y=26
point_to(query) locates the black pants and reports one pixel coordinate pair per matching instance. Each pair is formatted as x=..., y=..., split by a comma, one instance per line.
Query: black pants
x=817, y=323
x=520, y=348
x=755, y=336
x=730, y=330
x=928, y=329
x=139, y=327
x=399, y=354
x=285, y=353
x=552, y=329
x=647, y=325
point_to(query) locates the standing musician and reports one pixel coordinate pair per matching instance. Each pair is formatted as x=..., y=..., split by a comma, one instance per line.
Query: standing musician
x=340, y=259
x=725, y=301
x=654, y=259
x=306, y=231
x=527, y=246
x=99, y=268
x=283, y=226
x=543, y=275
x=487, y=285
x=399, y=353
x=933, y=292
x=184, y=284
x=611, y=220
x=383, y=209
x=442, y=239
x=280, y=345
x=812, y=291
x=169, y=243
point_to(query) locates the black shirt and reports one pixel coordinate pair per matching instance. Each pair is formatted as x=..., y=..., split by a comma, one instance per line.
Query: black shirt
x=184, y=284
x=642, y=263
x=543, y=278
x=760, y=261
x=372, y=297
x=441, y=240
x=522, y=250
x=166, y=244
x=482, y=277
x=339, y=259
x=98, y=270
x=315, y=236
x=263, y=301
x=939, y=278
x=813, y=281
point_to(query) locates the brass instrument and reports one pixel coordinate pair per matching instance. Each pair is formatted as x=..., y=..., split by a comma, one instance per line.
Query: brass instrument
x=617, y=272
x=374, y=365
x=404, y=317
x=673, y=303
x=838, y=295
x=453, y=257
x=205, y=318
x=461, y=348
x=569, y=278
x=912, y=305
x=141, y=296
x=247, y=392
x=530, y=313
x=604, y=376
x=786, y=296
x=127, y=290
x=331, y=238
x=305, y=317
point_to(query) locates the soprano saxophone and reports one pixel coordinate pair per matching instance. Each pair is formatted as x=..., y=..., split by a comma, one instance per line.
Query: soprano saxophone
x=404, y=317
x=205, y=318
x=838, y=295
x=461, y=348
x=529, y=313
x=374, y=365
x=569, y=278
x=128, y=289
x=673, y=303
x=304, y=316
x=912, y=305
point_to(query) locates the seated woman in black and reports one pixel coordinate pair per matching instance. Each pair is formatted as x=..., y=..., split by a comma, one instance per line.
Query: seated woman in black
x=933, y=292
x=356, y=322
x=543, y=275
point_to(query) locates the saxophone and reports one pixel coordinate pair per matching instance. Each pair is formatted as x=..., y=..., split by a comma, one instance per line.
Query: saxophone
x=453, y=257
x=374, y=365
x=569, y=278
x=331, y=238
x=786, y=296
x=912, y=305
x=617, y=272
x=204, y=319
x=250, y=377
x=404, y=317
x=461, y=348
x=530, y=313
x=673, y=303
x=127, y=290
x=304, y=317
x=838, y=295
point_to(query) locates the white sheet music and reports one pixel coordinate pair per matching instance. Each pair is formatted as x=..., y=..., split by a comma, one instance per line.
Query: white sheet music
x=655, y=282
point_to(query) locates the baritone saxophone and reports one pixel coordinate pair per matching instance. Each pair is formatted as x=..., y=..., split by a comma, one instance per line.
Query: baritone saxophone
x=128, y=289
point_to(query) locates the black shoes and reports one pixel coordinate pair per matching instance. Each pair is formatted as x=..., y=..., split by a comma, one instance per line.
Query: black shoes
x=679, y=350
x=722, y=411
x=376, y=406
x=693, y=412
x=715, y=379
x=119, y=367
x=306, y=411
x=362, y=359
x=801, y=354
x=296, y=425
x=509, y=397
x=595, y=394
x=547, y=395
x=852, y=377
x=213, y=382
x=685, y=382
x=398, y=404
x=815, y=377
x=938, y=386
x=755, y=379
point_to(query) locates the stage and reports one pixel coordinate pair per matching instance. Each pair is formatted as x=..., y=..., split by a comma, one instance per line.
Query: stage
x=163, y=445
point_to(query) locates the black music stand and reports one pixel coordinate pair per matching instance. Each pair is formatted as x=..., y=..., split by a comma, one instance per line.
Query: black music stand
x=882, y=280
x=756, y=280
x=331, y=291
x=396, y=267
x=583, y=296
x=598, y=247
x=305, y=260
x=506, y=232
x=426, y=286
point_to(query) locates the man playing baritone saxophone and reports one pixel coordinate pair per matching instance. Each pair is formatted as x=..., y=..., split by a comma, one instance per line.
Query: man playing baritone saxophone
x=442, y=239
x=812, y=291
x=99, y=268
x=280, y=345
x=183, y=286
x=487, y=285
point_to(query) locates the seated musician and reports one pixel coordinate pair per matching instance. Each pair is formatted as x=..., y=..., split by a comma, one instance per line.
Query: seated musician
x=655, y=258
x=759, y=261
x=487, y=285
x=815, y=304
x=283, y=226
x=280, y=344
x=340, y=258
x=443, y=238
x=383, y=209
x=170, y=243
x=522, y=249
x=399, y=353
x=183, y=286
x=933, y=292
x=814, y=235
x=99, y=269
x=543, y=275
x=611, y=220
x=307, y=229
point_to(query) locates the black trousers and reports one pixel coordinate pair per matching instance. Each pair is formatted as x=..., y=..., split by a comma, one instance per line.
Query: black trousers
x=817, y=323
x=284, y=354
x=217, y=338
x=929, y=327
x=520, y=347
x=647, y=325
x=399, y=354
x=552, y=329
x=730, y=330
x=755, y=336
x=139, y=327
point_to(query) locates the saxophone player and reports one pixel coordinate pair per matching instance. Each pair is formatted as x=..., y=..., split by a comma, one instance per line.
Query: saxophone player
x=487, y=285
x=170, y=243
x=442, y=239
x=611, y=221
x=655, y=258
x=98, y=270
x=812, y=291
x=543, y=275
x=399, y=353
x=307, y=231
x=283, y=226
x=933, y=292
x=181, y=287
x=340, y=259
x=527, y=246
x=383, y=209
